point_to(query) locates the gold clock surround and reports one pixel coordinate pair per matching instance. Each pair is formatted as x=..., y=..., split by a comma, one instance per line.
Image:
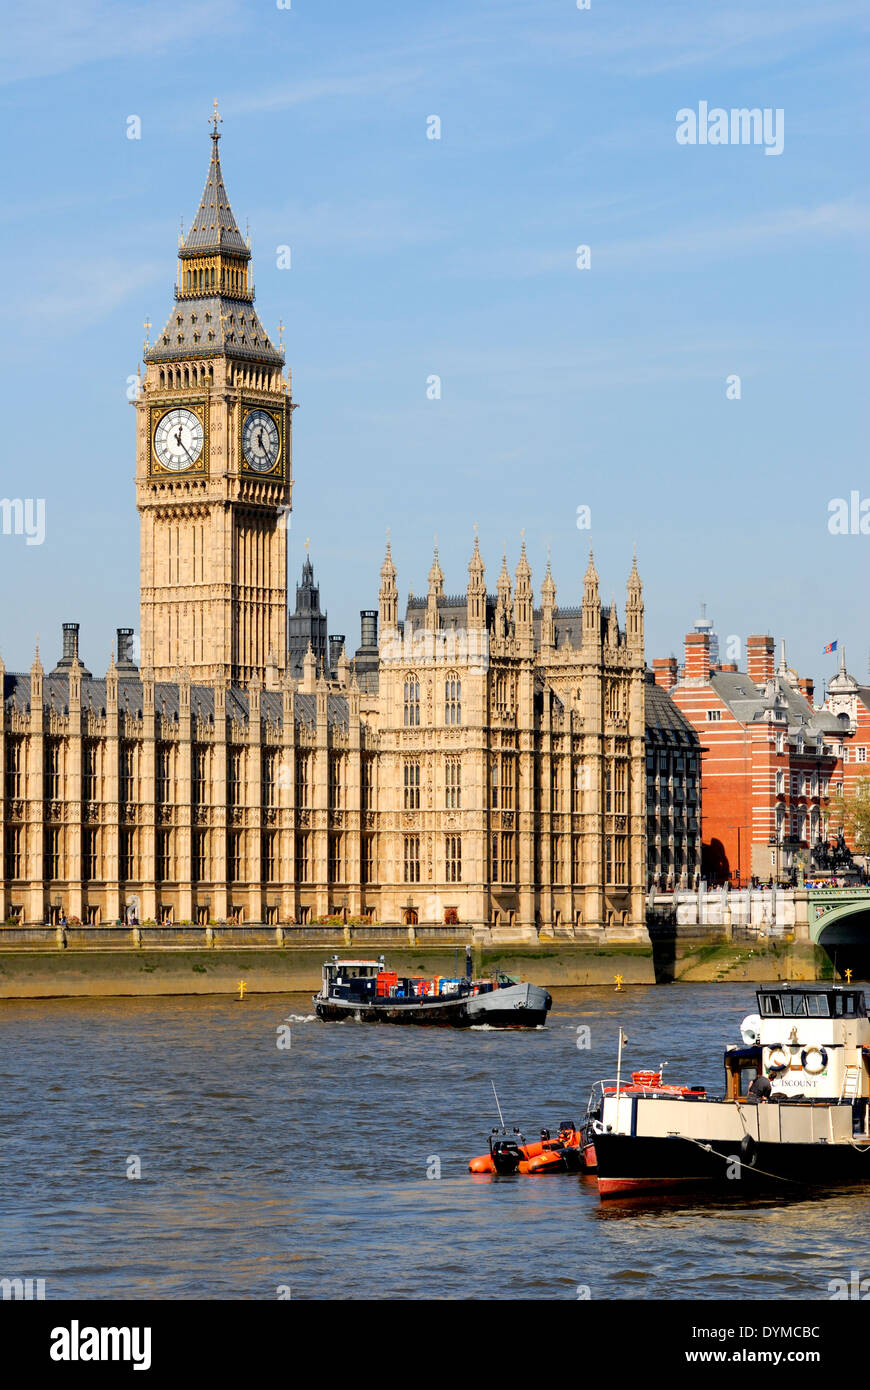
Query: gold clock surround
x=280, y=419
x=197, y=470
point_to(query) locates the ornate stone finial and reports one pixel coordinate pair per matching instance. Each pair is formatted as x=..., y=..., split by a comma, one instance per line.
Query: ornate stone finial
x=281, y=332
x=307, y=543
x=147, y=325
x=216, y=120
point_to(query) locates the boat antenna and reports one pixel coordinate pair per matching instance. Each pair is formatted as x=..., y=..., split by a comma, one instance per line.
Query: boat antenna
x=497, y=1106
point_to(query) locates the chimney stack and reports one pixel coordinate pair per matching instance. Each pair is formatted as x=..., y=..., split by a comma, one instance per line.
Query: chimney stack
x=125, y=664
x=665, y=671
x=759, y=658
x=698, y=657
x=368, y=626
x=336, y=643
x=70, y=651
x=807, y=688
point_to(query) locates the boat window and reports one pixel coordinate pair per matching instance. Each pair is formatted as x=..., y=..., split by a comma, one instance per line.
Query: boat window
x=770, y=1005
x=845, y=1005
x=818, y=1006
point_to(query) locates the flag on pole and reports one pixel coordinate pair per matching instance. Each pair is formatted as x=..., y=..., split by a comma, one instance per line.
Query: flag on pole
x=831, y=647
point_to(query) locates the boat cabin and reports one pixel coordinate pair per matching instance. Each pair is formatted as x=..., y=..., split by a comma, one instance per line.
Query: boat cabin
x=811, y=1042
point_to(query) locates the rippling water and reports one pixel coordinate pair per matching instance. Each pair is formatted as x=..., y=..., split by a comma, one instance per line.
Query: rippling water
x=306, y=1167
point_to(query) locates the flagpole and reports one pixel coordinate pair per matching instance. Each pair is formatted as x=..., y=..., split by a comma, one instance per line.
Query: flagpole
x=618, y=1075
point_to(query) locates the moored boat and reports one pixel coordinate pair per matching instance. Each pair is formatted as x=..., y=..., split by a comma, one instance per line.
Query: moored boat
x=795, y=1115
x=509, y=1154
x=367, y=991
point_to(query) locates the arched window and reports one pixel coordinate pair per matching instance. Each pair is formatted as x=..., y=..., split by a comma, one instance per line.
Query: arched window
x=412, y=701
x=453, y=701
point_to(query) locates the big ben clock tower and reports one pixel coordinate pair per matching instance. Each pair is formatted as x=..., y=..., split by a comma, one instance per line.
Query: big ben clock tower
x=213, y=474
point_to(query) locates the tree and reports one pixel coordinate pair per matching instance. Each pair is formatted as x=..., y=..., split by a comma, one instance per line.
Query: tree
x=853, y=811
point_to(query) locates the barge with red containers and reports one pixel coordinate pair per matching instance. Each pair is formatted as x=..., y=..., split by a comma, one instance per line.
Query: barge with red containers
x=365, y=990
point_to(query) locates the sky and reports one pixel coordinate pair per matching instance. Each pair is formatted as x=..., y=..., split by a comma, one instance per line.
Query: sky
x=605, y=387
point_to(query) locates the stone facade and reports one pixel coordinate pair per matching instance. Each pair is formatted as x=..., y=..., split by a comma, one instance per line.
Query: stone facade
x=485, y=765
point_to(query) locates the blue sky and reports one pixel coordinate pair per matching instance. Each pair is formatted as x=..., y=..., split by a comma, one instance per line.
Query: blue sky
x=414, y=257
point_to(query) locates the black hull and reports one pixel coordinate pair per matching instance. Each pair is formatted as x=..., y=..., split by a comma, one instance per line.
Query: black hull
x=453, y=1014
x=448, y=1015
x=629, y=1164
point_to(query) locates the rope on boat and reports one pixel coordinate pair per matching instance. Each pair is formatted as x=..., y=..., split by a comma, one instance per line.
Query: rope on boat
x=732, y=1158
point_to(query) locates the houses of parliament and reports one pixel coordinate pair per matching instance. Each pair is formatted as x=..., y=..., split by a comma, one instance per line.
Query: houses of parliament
x=479, y=760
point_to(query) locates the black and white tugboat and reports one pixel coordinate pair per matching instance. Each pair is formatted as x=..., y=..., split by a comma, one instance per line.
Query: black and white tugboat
x=795, y=1115
x=367, y=991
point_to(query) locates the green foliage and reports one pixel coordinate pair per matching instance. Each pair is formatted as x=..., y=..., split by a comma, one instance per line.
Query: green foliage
x=853, y=811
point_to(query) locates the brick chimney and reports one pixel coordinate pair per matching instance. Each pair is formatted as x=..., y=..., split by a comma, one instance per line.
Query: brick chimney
x=806, y=688
x=759, y=658
x=665, y=671
x=698, y=657
x=728, y=666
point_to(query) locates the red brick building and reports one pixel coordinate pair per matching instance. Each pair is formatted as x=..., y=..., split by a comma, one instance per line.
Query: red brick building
x=770, y=760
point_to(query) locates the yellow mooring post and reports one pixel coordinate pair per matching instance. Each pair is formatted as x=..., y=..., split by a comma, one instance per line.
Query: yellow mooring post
x=242, y=987
x=617, y=980
x=848, y=974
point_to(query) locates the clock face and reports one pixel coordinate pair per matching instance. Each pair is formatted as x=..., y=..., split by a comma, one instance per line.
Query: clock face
x=178, y=439
x=261, y=442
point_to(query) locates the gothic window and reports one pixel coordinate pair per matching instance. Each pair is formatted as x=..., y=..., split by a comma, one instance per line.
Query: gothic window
x=14, y=767
x=53, y=754
x=303, y=780
x=126, y=855
x=619, y=789
x=494, y=782
x=302, y=856
x=367, y=854
x=333, y=864
x=268, y=856
x=268, y=765
x=235, y=847
x=507, y=782
x=198, y=856
x=12, y=847
x=163, y=857
x=336, y=777
x=577, y=787
x=412, y=858
x=576, y=859
x=162, y=774
x=126, y=771
x=89, y=854
x=412, y=702
x=556, y=784
x=367, y=773
x=453, y=701
x=412, y=784
x=199, y=775
x=507, y=857
x=453, y=855
x=236, y=768
x=90, y=756
x=453, y=784
x=608, y=789
x=52, y=852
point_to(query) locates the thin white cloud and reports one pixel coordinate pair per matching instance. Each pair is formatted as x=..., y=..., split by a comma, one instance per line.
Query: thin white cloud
x=41, y=42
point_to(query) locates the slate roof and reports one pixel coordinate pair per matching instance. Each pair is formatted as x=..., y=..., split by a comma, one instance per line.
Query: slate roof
x=749, y=702
x=662, y=716
x=210, y=324
x=55, y=694
x=214, y=226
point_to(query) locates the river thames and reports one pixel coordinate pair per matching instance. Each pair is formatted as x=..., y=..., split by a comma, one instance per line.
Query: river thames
x=270, y=1171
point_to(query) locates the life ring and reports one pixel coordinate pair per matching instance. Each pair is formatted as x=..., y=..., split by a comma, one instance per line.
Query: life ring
x=779, y=1058
x=823, y=1060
